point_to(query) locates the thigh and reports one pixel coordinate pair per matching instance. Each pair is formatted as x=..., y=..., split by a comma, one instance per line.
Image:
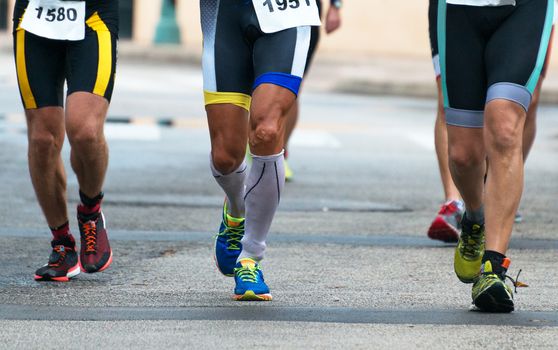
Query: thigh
x=92, y=61
x=227, y=55
x=40, y=66
x=461, y=49
x=516, y=52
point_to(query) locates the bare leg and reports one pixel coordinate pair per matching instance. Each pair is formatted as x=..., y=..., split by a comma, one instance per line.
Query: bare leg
x=228, y=130
x=85, y=119
x=530, y=129
x=441, y=144
x=45, y=128
x=270, y=107
x=290, y=122
x=503, y=135
x=467, y=163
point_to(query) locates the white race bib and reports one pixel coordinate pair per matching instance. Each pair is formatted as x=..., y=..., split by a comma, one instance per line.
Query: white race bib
x=55, y=19
x=277, y=15
x=482, y=2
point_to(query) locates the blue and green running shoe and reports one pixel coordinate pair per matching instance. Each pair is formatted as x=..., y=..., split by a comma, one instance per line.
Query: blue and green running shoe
x=250, y=284
x=227, y=243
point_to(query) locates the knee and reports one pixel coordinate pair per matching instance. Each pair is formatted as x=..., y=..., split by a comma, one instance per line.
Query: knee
x=85, y=135
x=45, y=142
x=465, y=157
x=227, y=161
x=504, y=127
x=266, y=126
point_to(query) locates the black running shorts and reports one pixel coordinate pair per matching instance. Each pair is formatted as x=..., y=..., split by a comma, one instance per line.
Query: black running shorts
x=238, y=56
x=489, y=53
x=87, y=65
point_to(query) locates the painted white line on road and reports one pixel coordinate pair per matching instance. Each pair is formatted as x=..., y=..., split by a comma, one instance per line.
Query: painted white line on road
x=314, y=139
x=132, y=132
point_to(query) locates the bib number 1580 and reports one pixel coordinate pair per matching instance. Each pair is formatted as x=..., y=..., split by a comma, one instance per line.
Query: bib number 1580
x=282, y=5
x=61, y=14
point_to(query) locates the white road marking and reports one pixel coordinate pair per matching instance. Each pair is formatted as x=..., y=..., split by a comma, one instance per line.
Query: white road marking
x=314, y=139
x=132, y=132
x=422, y=138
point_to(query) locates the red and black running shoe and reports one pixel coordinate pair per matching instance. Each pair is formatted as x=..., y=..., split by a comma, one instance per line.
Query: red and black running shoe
x=62, y=264
x=95, y=254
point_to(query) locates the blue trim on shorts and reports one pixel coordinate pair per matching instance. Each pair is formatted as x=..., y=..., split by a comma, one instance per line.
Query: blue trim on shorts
x=288, y=81
x=511, y=92
x=442, y=11
x=464, y=118
x=543, y=47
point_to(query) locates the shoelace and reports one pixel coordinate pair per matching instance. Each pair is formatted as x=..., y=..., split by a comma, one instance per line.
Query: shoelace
x=247, y=274
x=61, y=252
x=516, y=283
x=90, y=233
x=447, y=209
x=472, y=242
x=233, y=235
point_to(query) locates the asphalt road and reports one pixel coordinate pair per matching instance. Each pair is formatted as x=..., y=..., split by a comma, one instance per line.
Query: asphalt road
x=349, y=263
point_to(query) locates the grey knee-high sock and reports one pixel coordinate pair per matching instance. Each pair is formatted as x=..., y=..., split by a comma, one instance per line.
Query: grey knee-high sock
x=233, y=185
x=263, y=192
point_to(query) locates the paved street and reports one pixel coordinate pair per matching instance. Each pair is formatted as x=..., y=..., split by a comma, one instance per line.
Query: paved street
x=349, y=263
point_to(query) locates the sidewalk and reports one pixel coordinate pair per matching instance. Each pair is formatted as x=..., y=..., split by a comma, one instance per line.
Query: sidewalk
x=367, y=75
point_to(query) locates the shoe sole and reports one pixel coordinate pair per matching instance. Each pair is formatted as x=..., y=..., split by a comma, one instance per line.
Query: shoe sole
x=251, y=296
x=103, y=268
x=442, y=231
x=73, y=272
x=494, y=299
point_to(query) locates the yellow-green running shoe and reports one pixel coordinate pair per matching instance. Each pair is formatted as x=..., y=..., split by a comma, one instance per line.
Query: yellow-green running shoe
x=288, y=172
x=490, y=291
x=468, y=253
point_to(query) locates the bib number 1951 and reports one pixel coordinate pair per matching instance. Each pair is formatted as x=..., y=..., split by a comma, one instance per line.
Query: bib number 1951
x=276, y=15
x=55, y=19
x=283, y=5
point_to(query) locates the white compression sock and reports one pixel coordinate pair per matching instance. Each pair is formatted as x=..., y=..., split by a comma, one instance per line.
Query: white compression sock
x=233, y=185
x=263, y=192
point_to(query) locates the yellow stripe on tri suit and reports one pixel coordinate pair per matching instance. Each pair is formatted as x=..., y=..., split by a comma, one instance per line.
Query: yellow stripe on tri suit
x=105, y=53
x=235, y=98
x=23, y=79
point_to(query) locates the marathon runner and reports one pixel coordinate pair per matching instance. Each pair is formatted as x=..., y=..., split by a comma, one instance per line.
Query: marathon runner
x=72, y=42
x=447, y=223
x=492, y=53
x=254, y=56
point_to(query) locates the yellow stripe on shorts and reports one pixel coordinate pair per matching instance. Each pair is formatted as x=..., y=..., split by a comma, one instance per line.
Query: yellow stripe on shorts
x=21, y=66
x=235, y=98
x=104, y=69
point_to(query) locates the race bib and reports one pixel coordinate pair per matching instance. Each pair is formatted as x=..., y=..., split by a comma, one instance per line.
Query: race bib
x=55, y=19
x=277, y=15
x=482, y=2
